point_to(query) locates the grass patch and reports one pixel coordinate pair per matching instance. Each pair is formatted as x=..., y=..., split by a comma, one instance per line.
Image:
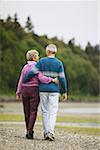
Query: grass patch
x=11, y=117
x=80, y=130
x=67, y=118
x=78, y=118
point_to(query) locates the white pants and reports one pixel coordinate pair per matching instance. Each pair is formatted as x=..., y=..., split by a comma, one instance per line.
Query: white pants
x=49, y=108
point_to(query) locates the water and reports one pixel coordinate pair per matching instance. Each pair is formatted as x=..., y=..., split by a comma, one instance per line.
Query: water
x=80, y=110
x=63, y=124
x=64, y=109
x=61, y=110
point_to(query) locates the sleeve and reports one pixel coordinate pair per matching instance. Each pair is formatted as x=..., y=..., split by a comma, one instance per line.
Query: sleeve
x=44, y=79
x=19, y=87
x=62, y=80
x=32, y=73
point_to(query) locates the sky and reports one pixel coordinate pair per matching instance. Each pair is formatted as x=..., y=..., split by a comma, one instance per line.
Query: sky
x=64, y=19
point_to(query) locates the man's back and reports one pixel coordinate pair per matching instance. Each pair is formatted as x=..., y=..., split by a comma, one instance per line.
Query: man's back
x=51, y=67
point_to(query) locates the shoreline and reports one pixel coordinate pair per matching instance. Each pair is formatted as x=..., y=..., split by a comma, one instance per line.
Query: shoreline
x=71, y=99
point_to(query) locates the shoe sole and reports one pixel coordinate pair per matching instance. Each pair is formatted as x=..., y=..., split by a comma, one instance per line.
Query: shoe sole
x=29, y=138
x=51, y=138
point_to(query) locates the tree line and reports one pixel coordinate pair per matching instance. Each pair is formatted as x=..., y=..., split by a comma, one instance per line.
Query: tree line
x=81, y=65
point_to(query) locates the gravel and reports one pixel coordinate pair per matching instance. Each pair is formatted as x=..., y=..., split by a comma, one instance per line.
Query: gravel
x=14, y=139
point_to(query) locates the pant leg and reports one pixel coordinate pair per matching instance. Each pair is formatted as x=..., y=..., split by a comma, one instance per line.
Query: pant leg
x=34, y=102
x=26, y=105
x=44, y=101
x=53, y=108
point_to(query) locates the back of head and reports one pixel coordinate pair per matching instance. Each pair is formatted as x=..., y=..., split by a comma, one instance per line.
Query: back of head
x=51, y=48
x=31, y=54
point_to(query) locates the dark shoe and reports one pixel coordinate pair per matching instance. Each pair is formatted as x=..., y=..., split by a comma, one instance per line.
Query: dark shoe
x=26, y=134
x=29, y=135
x=45, y=136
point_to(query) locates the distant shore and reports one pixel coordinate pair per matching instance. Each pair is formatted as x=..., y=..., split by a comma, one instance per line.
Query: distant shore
x=11, y=98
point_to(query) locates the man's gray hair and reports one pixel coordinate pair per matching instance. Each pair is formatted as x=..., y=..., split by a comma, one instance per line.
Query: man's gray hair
x=51, y=48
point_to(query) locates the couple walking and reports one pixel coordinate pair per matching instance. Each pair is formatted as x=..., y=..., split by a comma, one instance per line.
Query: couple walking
x=39, y=82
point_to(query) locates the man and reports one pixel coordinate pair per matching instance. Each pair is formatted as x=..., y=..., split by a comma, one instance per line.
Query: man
x=49, y=93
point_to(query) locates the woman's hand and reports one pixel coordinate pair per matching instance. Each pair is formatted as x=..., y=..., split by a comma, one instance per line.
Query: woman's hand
x=55, y=80
x=18, y=97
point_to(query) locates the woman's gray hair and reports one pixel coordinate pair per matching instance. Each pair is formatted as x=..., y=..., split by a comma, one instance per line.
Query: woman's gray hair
x=31, y=54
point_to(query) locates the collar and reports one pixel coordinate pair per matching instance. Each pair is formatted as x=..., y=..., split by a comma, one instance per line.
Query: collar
x=31, y=62
x=51, y=56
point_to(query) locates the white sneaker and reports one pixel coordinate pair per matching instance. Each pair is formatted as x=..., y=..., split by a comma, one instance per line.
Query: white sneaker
x=50, y=136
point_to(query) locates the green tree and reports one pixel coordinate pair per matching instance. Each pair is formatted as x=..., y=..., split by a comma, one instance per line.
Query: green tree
x=15, y=17
x=93, y=54
x=81, y=67
x=29, y=25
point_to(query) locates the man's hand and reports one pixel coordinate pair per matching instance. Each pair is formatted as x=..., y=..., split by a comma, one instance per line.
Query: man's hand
x=55, y=80
x=64, y=97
